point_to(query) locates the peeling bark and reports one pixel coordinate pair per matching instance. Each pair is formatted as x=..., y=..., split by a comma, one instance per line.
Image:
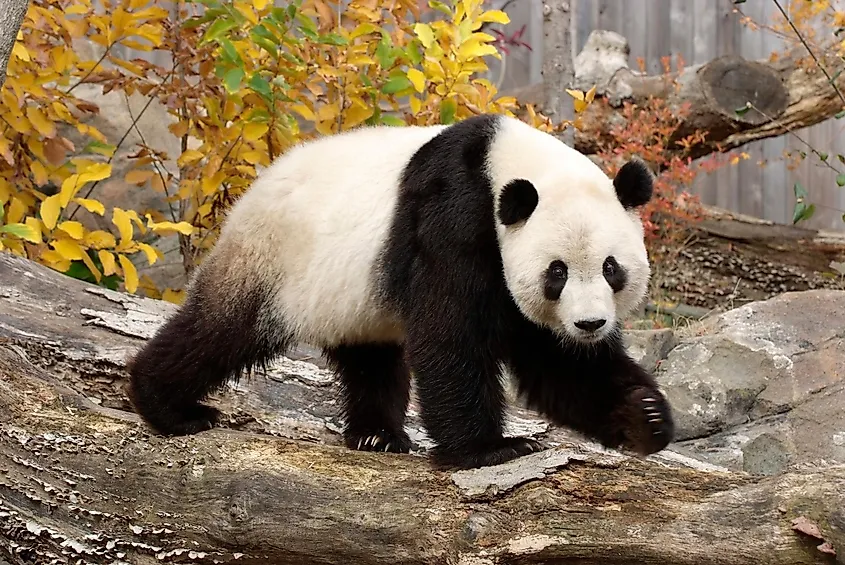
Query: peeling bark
x=81, y=479
x=11, y=18
x=783, y=97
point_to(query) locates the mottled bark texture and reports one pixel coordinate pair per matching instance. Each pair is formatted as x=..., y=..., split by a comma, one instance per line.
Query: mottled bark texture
x=11, y=18
x=558, y=72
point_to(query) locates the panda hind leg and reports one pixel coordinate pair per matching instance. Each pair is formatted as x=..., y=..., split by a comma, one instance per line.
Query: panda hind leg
x=375, y=386
x=220, y=330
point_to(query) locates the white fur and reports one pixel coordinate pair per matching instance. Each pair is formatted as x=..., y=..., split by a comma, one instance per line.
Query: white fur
x=314, y=221
x=579, y=221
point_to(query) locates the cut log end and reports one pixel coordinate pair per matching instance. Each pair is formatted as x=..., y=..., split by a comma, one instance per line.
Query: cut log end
x=744, y=91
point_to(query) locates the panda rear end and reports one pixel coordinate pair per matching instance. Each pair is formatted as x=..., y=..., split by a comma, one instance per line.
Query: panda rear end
x=446, y=251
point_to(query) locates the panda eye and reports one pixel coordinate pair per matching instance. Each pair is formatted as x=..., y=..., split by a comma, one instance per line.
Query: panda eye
x=558, y=269
x=609, y=267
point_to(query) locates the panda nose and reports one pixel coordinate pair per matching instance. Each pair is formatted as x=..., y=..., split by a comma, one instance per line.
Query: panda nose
x=589, y=325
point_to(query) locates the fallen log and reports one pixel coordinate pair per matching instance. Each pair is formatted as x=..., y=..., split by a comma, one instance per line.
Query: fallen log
x=733, y=100
x=81, y=480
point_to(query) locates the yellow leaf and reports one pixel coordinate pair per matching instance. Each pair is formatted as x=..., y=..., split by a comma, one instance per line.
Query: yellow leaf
x=107, y=259
x=188, y=157
x=360, y=59
x=55, y=260
x=328, y=112
x=254, y=131
x=99, y=239
x=425, y=33
x=182, y=227
x=363, y=29
x=138, y=176
x=304, y=111
x=68, y=249
x=576, y=94
x=93, y=206
x=591, y=94
x=20, y=52
x=40, y=122
x=16, y=211
x=122, y=220
x=494, y=16
x=73, y=229
x=174, y=296
x=151, y=253
x=91, y=266
x=130, y=274
x=22, y=231
x=356, y=115
x=87, y=171
x=417, y=78
x=50, y=210
x=260, y=4
x=472, y=49
x=416, y=105
x=251, y=157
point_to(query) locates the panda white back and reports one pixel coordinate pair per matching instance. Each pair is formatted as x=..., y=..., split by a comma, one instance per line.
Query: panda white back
x=315, y=221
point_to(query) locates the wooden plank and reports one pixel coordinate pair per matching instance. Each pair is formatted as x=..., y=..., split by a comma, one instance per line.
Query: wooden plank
x=681, y=30
x=634, y=27
x=777, y=191
x=658, y=34
x=702, y=49
x=610, y=15
x=585, y=17
x=750, y=180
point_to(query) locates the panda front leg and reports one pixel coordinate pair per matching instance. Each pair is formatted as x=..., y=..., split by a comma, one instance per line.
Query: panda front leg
x=600, y=391
x=375, y=385
x=462, y=402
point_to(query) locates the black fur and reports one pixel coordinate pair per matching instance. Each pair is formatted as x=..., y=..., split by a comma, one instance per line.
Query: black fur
x=556, y=276
x=517, y=202
x=375, y=384
x=212, y=337
x=443, y=273
x=634, y=184
x=614, y=274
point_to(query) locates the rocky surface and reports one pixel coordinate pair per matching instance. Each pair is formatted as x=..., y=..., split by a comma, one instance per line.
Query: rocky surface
x=763, y=385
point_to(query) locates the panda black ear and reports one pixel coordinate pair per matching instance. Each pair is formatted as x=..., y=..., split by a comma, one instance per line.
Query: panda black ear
x=634, y=184
x=517, y=202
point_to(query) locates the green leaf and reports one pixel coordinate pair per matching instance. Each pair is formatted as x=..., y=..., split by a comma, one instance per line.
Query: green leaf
x=441, y=7
x=841, y=158
x=333, y=39
x=448, y=109
x=840, y=114
x=99, y=147
x=840, y=179
x=383, y=53
x=230, y=54
x=799, y=191
x=389, y=120
x=2, y=212
x=396, y=84
x=233, y=79
x=823, y=156
x=803, y=212
x=260, y=85
x=217, y=29
x=743, y=109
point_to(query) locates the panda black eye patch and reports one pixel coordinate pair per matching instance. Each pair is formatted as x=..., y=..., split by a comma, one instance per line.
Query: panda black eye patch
x=556, y=276
x=614, y=274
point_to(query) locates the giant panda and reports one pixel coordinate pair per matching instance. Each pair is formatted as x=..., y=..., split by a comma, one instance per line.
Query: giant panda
x=450, y=252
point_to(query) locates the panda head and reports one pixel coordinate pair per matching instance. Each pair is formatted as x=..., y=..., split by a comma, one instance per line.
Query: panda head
x=572, y=247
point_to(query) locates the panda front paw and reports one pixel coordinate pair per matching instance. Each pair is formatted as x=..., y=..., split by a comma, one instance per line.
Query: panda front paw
x=184, y=420
x=649, y=427
x=502, y=451
x=379, y=440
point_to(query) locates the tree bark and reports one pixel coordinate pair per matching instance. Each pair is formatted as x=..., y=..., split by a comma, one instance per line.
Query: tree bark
x=11, y=18
x=81, y=479
x=779, y=96
x=558, y=72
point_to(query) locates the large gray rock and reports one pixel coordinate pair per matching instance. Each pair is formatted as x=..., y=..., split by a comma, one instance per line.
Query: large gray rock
x=763, y=386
